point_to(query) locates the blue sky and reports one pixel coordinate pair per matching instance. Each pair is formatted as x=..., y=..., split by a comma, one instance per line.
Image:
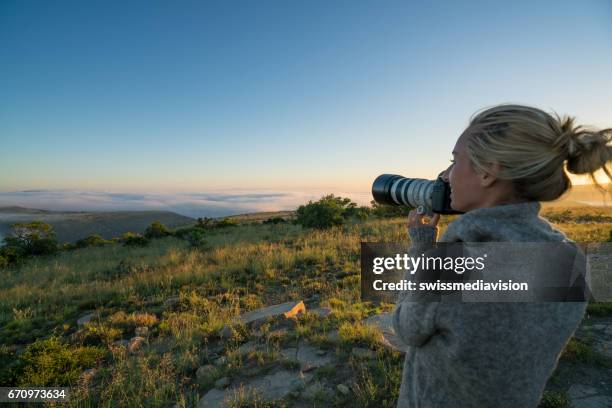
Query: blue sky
x=159, y=96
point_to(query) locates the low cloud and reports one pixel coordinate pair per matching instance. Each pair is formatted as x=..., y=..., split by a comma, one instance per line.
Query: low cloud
x=196, y=204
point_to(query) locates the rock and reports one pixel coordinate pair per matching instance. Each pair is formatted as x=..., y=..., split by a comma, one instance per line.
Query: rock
x=318, y=390
x=171, y=302
x=77, y=335
x=213, y=399
x=384, y=323
x=222, y=383
x=135, y=344
x=363, y=353
x=344, y=390
x=582, y=396
x=309, y=358
x=142, y=331
x=333, y=336
x=288, y=310
x=248, y=347
x=289, y=353
x=162, y=345
x=322, y=311
x=269, y=388
x=205, y=371
x=226, y=332
x=121, y=343
x=220, y=361
x=83, y=320
x=604, y=347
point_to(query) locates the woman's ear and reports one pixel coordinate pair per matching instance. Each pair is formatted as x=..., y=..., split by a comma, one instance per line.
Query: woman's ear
x=488, y=178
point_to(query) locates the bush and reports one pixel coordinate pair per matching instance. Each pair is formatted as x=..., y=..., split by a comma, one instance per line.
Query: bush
x=325, y=213
x=205, y=223
x=12, y=255
x=552, y=399
x=52, y=363
x=389, y=211
x=3, y=261
x=91, y=241
x=360, y=213
x=275, y=220
x=182, y=232
x=196, y=238
x=133, y=239
x=226, y=222
x=156, y=230
x=29, y=239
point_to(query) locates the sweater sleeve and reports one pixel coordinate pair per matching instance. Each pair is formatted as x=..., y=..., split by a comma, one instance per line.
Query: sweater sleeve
x=414, y=314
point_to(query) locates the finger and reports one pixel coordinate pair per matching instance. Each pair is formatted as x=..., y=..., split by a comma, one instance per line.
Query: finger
x=434, y=220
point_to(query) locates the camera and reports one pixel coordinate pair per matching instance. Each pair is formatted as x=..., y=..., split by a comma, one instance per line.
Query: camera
x=431, y=196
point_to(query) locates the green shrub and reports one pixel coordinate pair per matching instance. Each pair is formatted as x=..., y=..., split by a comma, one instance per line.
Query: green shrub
x=205, y=222
x=33, y=238
x=360, y=213
x=133, y=239
x=182, y=233
x=12, y=254
x=226, y=222
x=50, y=362
x=325, y=213
x=551, y=399
x=91, y=241
x=275, y=220
x=599, y=308
x=389, y=211
x=196, y=238
x=156, y=230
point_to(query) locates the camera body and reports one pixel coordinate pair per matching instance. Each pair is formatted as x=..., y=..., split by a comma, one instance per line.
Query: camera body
x=431, y=195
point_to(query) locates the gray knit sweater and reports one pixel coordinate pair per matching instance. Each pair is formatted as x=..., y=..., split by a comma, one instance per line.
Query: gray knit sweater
x=481, y=355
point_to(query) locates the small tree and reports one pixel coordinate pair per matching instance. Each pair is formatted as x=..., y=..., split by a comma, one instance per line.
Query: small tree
x=32, y=238
x=275, y=220
x=205, y=223
x=133, y=239
x=325, y=213
x=156, y=230
x=226, y=222
x=360, y=213
x=389, y=211
x=197, y=238
x=92, y=240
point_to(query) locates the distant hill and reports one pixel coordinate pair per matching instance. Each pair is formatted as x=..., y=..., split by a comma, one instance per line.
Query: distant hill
x=71, y=226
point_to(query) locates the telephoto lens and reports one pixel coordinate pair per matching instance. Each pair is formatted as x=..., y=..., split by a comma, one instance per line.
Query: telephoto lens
x=430, y=196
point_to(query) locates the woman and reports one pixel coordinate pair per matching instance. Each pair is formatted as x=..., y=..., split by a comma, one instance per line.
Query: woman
x=499, y=355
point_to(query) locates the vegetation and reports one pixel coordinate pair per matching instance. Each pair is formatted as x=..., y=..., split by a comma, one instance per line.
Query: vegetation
x=329, y=211
x=179, y=290
x=156, y=230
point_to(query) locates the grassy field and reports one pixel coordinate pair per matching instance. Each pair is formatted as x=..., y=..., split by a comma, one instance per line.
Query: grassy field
x=184, y=296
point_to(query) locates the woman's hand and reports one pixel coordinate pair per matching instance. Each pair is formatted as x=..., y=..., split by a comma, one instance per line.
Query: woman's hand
x=421, y=231
x=416, y=220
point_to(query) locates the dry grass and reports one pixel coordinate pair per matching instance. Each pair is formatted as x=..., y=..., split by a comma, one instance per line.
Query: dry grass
x=243, y=268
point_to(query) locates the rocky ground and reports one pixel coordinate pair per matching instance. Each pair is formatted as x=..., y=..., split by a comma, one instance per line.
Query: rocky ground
x=278, y=368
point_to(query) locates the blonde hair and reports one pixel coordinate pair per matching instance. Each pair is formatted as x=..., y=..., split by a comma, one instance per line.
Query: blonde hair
x=533, y=148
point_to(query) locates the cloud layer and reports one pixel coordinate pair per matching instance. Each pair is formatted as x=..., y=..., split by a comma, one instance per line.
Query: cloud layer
x=197, y=204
